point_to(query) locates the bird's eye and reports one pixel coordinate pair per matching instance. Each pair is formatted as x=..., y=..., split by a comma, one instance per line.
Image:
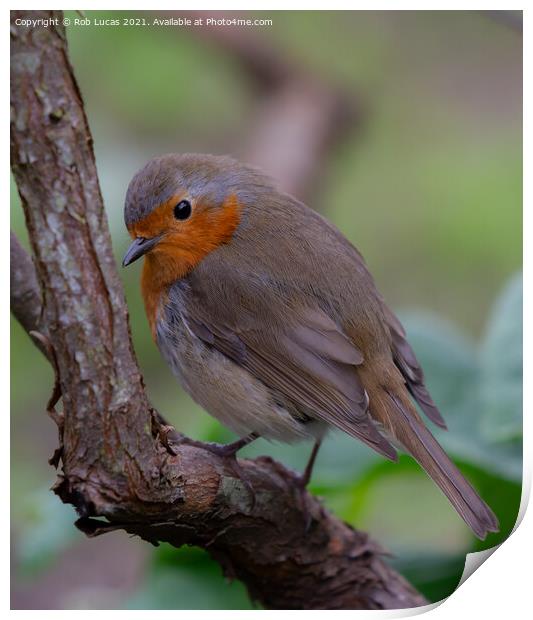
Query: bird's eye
x=183, y=210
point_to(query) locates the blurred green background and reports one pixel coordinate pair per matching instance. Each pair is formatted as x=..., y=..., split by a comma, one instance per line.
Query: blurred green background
x=427, y=185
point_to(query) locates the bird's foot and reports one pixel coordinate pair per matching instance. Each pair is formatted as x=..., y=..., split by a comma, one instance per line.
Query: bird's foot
x=223, y=450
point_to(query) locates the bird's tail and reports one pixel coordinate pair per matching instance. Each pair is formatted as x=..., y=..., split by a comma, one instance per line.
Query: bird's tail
x=398, y=416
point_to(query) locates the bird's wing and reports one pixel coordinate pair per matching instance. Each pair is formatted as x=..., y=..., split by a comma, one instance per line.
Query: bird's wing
x=402, y=353
x=405, y=360
x=313, y=363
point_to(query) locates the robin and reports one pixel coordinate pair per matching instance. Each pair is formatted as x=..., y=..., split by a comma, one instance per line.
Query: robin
x=271, y=321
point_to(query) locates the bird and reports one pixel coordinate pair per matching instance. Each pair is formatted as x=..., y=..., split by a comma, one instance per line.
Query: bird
x=271, y=321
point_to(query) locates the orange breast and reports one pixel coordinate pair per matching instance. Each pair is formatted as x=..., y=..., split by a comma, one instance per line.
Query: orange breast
x=182, y=247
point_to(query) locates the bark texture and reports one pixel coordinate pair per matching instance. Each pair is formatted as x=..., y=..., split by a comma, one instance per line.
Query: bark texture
x=117, y=466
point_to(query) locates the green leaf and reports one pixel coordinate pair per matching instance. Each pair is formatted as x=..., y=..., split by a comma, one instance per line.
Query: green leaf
x=44, y=530
x=435, y=576
x=188, y=578
x=501, y=367
x=448, y=358
x=478, y=392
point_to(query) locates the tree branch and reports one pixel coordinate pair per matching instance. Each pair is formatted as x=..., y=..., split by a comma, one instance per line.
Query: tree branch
x=301, y=116
x=25, y=295
x=117, y=470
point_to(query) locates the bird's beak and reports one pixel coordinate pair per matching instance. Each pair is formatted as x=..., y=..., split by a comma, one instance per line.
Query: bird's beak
x=138, y=248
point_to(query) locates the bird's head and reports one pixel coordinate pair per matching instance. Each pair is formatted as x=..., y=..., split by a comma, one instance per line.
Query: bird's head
x=179, y=208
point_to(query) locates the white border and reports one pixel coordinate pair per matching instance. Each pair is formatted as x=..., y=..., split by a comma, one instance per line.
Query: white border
x=501, y=586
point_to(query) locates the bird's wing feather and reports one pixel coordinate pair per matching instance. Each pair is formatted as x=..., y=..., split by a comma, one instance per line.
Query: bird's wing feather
x=403, y=355
x=313, y=363
x=405, y=360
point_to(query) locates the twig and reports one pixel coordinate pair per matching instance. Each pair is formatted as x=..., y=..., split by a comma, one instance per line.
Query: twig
x=301, y=117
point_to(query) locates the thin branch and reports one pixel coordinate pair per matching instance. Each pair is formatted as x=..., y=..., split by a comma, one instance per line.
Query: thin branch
x=25, y=294
x=296, y=126
x=301, y=117
x=268, y=68
x=117, y=469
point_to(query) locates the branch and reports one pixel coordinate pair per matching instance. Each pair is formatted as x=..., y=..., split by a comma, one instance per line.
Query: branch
x=117, y=469
x=296, y=126
x=25, y=295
